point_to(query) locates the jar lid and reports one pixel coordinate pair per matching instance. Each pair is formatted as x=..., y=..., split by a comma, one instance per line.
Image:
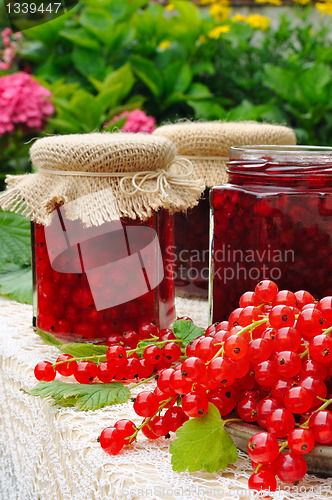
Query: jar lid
x=207, y=144
x=101, y=177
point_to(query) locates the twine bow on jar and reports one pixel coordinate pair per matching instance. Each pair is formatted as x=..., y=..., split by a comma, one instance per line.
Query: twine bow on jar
x=140, y=180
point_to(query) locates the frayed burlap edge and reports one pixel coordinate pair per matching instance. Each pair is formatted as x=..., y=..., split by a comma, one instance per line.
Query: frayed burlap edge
x=89, y=202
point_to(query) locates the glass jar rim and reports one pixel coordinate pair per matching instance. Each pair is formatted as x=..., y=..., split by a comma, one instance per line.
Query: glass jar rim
x=282, y=149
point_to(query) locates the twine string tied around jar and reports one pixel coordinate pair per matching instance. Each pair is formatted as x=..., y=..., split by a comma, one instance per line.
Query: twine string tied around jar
x=138, y=180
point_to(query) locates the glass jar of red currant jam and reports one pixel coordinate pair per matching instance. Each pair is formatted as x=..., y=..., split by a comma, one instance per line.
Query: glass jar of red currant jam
x=273, y=220
x=102, y=225
x=207, y=146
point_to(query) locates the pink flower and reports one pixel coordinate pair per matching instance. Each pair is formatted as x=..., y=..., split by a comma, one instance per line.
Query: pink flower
x=6, y=32
x=137, y=121
x=24, y=103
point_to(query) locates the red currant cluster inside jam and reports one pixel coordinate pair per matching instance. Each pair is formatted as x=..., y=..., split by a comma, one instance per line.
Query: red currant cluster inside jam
x=91, y=283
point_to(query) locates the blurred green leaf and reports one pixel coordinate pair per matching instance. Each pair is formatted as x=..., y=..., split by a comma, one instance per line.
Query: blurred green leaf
x=17, y=285
x=148, y=74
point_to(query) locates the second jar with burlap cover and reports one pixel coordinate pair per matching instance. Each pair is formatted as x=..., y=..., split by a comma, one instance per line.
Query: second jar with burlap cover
x=206, y=145
x=101, y=207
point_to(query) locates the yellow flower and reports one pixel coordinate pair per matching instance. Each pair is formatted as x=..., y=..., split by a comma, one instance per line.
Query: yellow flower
x=302, y=2
x=218, y=30
x=206, y=2
x=164, y=44
x=258, y=22
x=220, y=11
x=202, y=38
x=273, y=2
x=325, y=7
x=170, y=6
x=239, y=18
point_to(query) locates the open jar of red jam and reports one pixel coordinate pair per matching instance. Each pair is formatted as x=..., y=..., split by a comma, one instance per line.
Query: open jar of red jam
x=206, y=145
x=272, y=220
x=102, y=207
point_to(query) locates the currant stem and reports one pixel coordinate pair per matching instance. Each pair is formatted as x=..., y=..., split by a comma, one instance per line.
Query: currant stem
x=305, y=425
x=146, y=422
x=232, y=420
x=83, y=358
x=142, y=382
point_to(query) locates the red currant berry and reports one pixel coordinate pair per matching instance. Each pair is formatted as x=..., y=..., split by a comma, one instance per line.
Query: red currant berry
x=112, y=440
x=164, y=381
x=266, y=373
x=105, y=372
x=287, y=339
x=301, y=441
x=290, y=467
x=280, y=422
x=148, y=432
x=117, y=355
x=171, y=352
x=193, y=369
x=262, y=480
x=44, y=371
x=235, y=347
x=130, y=339
x=206, y=348
x=66, y=369
x=288, y=363
x=263, y=448
x=247, y=409
x=85, y=372
x=310, y=323
x=302, y=298
x=325, y=307
x=146, y=404
x=266, y=290
x=176, y=417
x=249, y=299
x=321, y=425
x=284, y=297
x=259, y=350
x=195, y=404
x=127, y=429
x=298, y=399
x=147, y=330
x=152, y=354
x=222, y=371
x=281, y=316
x=160, y=425
x=264, y=408
x=320, y=349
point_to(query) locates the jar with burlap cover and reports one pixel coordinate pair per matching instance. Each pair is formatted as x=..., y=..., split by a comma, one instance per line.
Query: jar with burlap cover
x=206, y=145
x=102, y=177
x=102, y=232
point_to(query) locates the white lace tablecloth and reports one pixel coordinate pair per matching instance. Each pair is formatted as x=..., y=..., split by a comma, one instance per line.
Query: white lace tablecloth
x=50, y=453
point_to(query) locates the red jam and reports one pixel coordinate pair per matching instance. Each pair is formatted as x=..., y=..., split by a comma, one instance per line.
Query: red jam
x=273, y=220
x=93, y=282
x=191, y=235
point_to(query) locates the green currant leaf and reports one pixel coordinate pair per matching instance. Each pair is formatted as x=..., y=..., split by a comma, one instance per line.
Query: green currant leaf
x=76, y=349
x=48, y=338
x=84, y=351
x=15, y=243
x=17, y=284
x=203, y=443
x=187, y=331
x=83, y=396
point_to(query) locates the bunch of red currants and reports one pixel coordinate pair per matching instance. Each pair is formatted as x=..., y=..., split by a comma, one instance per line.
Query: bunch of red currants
x=270, y=364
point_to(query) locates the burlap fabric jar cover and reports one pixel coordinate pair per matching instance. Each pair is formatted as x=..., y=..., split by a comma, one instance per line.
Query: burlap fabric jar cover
x=206, y=145
x=101, y=206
